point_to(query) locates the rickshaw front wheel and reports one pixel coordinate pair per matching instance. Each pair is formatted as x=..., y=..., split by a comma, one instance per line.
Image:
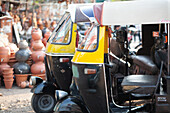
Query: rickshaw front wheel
x=43, y=103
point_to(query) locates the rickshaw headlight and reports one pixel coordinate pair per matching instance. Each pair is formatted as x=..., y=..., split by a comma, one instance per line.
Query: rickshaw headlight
x=35, y=80
x=90, y=71
x=59, y=94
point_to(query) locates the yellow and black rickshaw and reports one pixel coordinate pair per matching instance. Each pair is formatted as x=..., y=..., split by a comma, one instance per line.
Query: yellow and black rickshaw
x=59, y=51
x=93, y=86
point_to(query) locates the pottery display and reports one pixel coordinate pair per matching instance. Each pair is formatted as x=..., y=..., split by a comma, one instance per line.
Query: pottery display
x=22, y=55
x=40, y=75
x=38, y=56
x=20, y=78
x=21, y=68
x=8, y=83
x=23, y=44
x=4, y=57
x=38, y=68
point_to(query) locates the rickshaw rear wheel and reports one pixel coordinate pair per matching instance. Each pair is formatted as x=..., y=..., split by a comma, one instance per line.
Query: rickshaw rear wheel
x=43, y=103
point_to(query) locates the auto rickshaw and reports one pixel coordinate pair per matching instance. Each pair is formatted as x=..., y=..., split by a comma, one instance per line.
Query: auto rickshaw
x=93, y=83
x=59, y=51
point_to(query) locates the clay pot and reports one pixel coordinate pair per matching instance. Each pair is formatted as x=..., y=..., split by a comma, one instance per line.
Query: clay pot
x=47, y=34
x=22, y=55
x=4, y=57
x=5, y=50
x=38, y=68
x=8, y=77
x=8, y=83
x=20, y=78
x=23, y=44
x=36, y=34
x=37, y=45
x=2, y=66
x=38, y=56
x=7, y=70
x=21, y=68
x=24, y=84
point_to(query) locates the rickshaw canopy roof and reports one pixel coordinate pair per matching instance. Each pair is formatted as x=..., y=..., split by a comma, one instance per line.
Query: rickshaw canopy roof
x=122, y=13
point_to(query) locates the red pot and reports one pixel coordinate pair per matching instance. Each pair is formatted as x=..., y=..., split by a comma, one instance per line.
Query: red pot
x=36, y=34
x=8, y=77
x=8, y=83
x=2, y=66
x=37, y=45
x=5, y=50
x=20, y=78
x=4, y=57
x=38, y=56
x=7, y=70
x=38, y=68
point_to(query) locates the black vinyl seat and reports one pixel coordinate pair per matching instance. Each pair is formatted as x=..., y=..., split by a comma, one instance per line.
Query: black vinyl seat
x=139, y=84
x=146, y=63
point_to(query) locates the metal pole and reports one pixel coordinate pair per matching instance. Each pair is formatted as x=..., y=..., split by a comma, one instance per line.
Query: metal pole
x=168, y=49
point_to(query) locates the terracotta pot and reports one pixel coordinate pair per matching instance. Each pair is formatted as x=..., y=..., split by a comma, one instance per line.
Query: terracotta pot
x=36, y=34
x=20, y=78
x=40, y=75
x=8, y=83
x=22, y=55
x=37, y=45
x=38, y=68
x=7, y=70
x=38, y=56
x=9, y=77
x=2, y=66
x=23, y=44
x=47, y=34
x=5, y=50
x=24, y=84
x=7, y=73
x=4, y=57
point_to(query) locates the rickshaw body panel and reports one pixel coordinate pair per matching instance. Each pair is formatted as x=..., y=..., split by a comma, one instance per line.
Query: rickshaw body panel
x=92, y=87
x=92, y=57
x=55, y=49
x=44, y=87
x=61, y=71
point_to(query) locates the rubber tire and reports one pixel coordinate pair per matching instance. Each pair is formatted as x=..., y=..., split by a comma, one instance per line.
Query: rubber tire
x=35, y=105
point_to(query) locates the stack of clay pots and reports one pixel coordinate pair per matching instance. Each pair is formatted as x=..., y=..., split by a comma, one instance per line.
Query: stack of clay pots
x=4, y=58
x=38, y=68
x=8, y=77
x=22, y=69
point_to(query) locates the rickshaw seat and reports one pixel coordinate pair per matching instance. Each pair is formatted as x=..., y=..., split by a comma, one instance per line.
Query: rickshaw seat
x=140, y=84
x=146, y=63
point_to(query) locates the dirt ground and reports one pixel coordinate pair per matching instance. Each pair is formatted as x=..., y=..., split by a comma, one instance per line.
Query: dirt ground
x=15, y=100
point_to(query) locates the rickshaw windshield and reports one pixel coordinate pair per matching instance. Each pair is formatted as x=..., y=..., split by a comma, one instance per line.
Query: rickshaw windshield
x=89, y=43
x=63, y=34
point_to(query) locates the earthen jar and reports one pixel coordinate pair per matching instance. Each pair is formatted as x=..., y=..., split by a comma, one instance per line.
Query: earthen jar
x=7, y=70
x=4, y=57
x=8, y=83
x=37, y=45
x=38, y=68
x=20, y=78
x=38, y=56
x=5, y=50
x=23, y=44
x=3, y=65
x=36, y=34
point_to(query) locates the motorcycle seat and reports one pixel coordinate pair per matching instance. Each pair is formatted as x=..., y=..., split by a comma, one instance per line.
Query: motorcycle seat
x=146, y=63
x=139, y=84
